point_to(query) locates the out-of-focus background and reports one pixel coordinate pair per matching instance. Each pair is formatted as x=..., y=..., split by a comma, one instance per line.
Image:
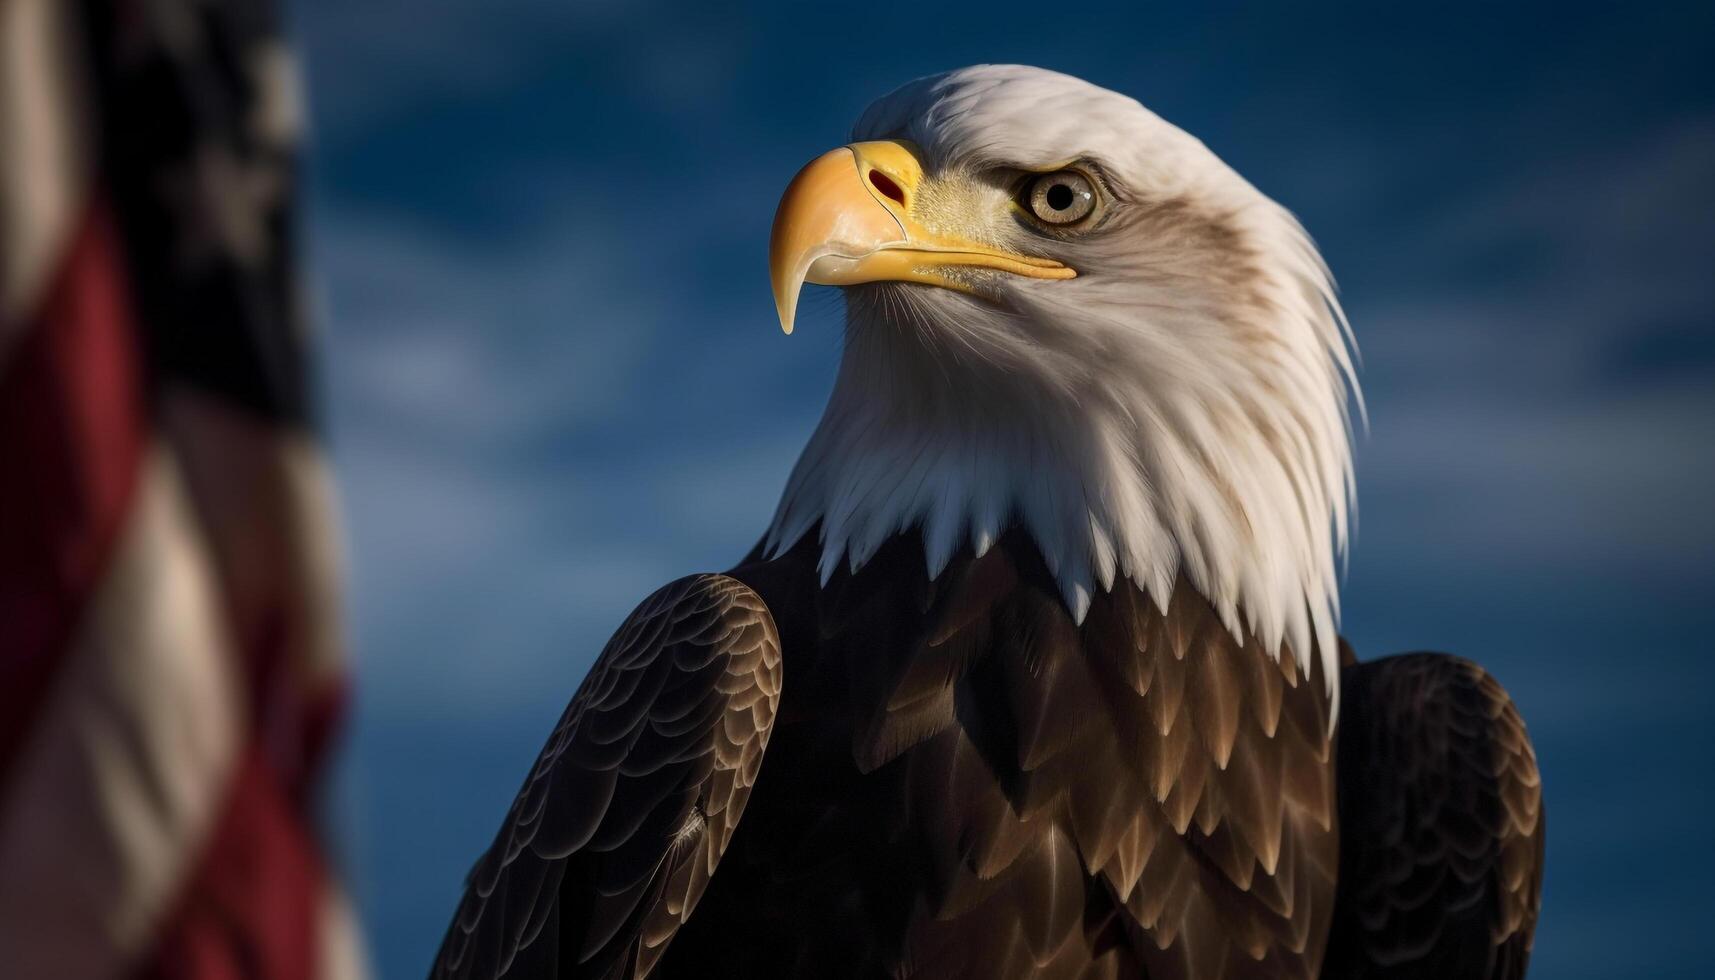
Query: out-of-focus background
x=555, y=380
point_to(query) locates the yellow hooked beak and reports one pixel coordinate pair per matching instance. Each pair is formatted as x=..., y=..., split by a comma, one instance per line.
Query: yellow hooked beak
x=846, y=219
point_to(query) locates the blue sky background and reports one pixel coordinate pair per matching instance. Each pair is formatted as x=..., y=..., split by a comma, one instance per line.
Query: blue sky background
x=555, y=380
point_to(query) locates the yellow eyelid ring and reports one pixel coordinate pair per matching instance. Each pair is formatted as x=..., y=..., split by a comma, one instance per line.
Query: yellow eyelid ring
x=846, y=219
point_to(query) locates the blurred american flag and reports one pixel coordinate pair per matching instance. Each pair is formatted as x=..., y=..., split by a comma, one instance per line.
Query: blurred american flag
x=171, y=663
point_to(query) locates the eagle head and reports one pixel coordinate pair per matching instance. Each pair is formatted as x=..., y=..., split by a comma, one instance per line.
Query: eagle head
x=1067, y=314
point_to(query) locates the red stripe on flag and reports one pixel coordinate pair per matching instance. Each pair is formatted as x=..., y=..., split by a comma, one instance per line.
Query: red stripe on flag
x=72, y=423
x=323, y=712
x=253, y=909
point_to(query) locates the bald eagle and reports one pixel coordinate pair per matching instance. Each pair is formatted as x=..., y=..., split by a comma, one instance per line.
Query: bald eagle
x=1036, y=672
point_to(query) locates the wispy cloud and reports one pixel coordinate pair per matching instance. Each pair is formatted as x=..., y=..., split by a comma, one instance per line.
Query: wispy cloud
x=376, y=62
x=512, y=484
x=1531, y=405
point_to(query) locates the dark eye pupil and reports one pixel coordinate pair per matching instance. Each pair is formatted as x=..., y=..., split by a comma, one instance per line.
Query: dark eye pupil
x=1059, y=197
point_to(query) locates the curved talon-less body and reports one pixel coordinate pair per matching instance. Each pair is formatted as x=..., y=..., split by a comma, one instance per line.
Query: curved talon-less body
x=1036, y=673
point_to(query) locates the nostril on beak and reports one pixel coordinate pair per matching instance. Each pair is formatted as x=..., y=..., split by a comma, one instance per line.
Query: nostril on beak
x=886, y=186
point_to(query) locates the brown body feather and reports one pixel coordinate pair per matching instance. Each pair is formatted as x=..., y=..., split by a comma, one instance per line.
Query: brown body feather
x=611, y=841
x=1446, y=879
x=963, y=782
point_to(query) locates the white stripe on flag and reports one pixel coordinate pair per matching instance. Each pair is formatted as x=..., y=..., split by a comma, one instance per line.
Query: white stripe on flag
x=43, y=155
x=120, y=780
x=343, y=956
x=265, y=495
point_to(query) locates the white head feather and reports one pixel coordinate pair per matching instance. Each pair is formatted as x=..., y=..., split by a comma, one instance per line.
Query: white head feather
x=1180, y=406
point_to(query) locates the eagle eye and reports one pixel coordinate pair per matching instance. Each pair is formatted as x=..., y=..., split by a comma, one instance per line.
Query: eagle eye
x=1064, y=197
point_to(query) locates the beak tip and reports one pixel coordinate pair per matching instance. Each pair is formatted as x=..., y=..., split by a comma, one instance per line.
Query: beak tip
x=787, y=309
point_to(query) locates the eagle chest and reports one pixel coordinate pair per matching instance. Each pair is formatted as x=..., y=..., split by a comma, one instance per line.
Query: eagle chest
x=982, y=782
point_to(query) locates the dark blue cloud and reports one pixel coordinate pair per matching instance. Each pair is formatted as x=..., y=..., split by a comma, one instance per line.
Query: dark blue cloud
x=556, y=381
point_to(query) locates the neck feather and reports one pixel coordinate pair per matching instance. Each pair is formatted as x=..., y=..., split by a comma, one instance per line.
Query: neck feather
x=1117, y=481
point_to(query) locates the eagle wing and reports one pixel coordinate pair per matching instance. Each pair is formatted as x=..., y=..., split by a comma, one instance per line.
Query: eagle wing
x=614, y=835
x=1442, y=824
